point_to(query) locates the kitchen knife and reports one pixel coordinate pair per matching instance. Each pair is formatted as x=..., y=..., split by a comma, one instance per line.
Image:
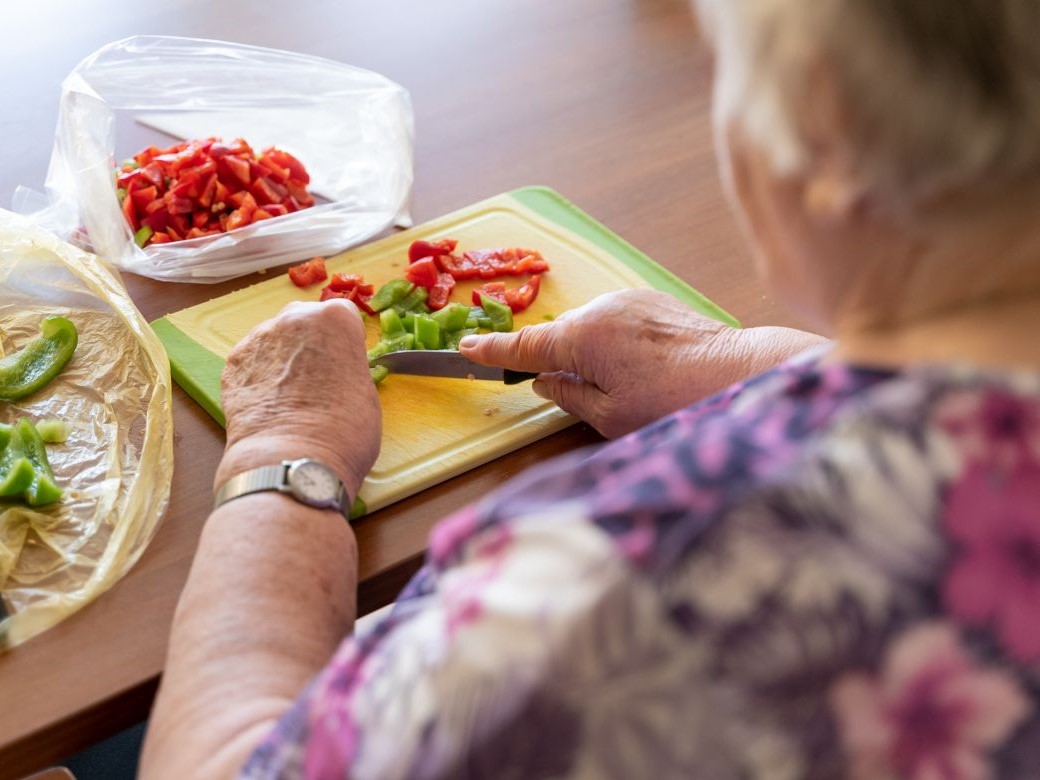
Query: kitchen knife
x=446, y=363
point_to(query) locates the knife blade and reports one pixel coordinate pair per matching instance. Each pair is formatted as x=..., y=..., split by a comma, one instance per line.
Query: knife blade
x=446, y=363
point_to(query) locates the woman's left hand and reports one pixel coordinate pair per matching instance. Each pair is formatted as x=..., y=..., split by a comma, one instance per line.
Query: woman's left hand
x=298, y=386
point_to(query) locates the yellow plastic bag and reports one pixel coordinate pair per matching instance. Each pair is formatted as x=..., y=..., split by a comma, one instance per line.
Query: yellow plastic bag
x=117, y=464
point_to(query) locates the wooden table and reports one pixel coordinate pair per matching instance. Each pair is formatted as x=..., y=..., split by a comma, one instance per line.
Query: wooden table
x=607, y=101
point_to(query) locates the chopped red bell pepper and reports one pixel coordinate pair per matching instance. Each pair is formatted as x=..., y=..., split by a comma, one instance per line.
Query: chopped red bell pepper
x=517, y=300
x=130, y=212
x=142, y=196
x=349, y=286
x=420, y=249
x=346, y=282
x=209, y=186
x=425, y=273
x=285, y=160
x=306, y=274
x=422, y=272
x=361, y=301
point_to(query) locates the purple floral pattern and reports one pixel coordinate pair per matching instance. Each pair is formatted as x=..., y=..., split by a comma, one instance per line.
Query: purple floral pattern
x=932, y=713
x=824, y=572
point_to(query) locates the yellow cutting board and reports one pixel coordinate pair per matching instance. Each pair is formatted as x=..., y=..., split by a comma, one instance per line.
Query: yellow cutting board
x=435, y=428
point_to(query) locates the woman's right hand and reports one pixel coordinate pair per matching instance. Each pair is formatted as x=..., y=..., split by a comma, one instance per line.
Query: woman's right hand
x=631, y=357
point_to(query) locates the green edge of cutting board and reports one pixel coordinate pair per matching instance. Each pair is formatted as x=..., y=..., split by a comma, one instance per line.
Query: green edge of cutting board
x=202, y=383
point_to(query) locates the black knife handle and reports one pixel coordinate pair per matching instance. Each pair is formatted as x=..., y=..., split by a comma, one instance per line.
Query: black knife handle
x=511, y=377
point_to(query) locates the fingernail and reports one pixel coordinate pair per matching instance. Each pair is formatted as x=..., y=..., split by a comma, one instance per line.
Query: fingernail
x=539, y=388
x=468, y=342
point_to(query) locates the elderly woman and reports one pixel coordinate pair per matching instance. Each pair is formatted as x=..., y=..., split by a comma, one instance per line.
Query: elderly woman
x=828, y=569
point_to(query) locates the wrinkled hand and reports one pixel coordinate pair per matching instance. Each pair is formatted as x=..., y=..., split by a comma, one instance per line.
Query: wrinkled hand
x=298, y=386
x=628, y=358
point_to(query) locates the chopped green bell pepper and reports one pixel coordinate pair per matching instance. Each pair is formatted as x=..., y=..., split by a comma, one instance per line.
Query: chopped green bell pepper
x=451, y=317
x=395, y=344
x=427, y=332
x=390, y=293
x=358, y=509
x=414, y=302
x=378, y=373
x=38, y=362
x=141, y=236
x=452, y=339
x=53, y=431
x=500, y=315
x=478, y=319
x=390, y=324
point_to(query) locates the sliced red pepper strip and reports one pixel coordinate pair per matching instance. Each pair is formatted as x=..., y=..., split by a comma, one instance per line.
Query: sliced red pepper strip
x=517, y=300
x=494, y=290
x=441, y=291
x=492, y=263
x=523, y=297
x=130, y=213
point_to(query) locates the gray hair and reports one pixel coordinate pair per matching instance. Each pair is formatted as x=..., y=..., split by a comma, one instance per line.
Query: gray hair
x=935, y=95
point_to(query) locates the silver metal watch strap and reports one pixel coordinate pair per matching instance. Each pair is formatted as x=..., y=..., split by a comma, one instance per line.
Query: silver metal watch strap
x=253, y=481
x=273, y=478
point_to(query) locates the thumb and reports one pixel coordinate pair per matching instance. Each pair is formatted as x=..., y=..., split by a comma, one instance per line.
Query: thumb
x=537, y=348
x=574, y=395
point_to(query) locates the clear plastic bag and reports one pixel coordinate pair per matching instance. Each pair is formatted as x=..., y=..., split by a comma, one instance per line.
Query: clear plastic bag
x=352, y=129
x=117, y=464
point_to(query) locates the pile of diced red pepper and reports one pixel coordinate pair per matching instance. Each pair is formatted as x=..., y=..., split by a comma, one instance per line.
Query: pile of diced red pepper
x=435, y=266
x=203, y=188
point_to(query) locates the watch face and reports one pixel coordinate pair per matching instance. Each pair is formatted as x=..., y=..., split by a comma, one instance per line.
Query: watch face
x=314, y=483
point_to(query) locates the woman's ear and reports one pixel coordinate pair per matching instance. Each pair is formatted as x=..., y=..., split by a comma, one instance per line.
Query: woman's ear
x=831, y=195
x=831, y=190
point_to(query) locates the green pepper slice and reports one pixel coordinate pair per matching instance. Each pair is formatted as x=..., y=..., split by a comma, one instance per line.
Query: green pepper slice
x=500, y=315
x=39, y=361
x=16, y=472
x=42, y=490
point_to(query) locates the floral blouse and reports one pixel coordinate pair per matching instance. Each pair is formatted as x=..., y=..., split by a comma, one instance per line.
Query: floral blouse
x=825, y=572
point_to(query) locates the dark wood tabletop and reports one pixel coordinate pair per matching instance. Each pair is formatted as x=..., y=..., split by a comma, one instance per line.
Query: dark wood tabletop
x=607, y=101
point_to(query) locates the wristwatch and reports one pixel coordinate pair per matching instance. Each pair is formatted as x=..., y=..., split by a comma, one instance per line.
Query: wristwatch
x=309, y=481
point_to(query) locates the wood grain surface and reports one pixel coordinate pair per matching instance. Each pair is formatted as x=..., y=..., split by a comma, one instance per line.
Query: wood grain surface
x=606, y=101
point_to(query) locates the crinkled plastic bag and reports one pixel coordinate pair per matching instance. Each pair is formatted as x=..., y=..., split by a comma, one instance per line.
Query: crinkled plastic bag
x=352, y=129
x=117, y=463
